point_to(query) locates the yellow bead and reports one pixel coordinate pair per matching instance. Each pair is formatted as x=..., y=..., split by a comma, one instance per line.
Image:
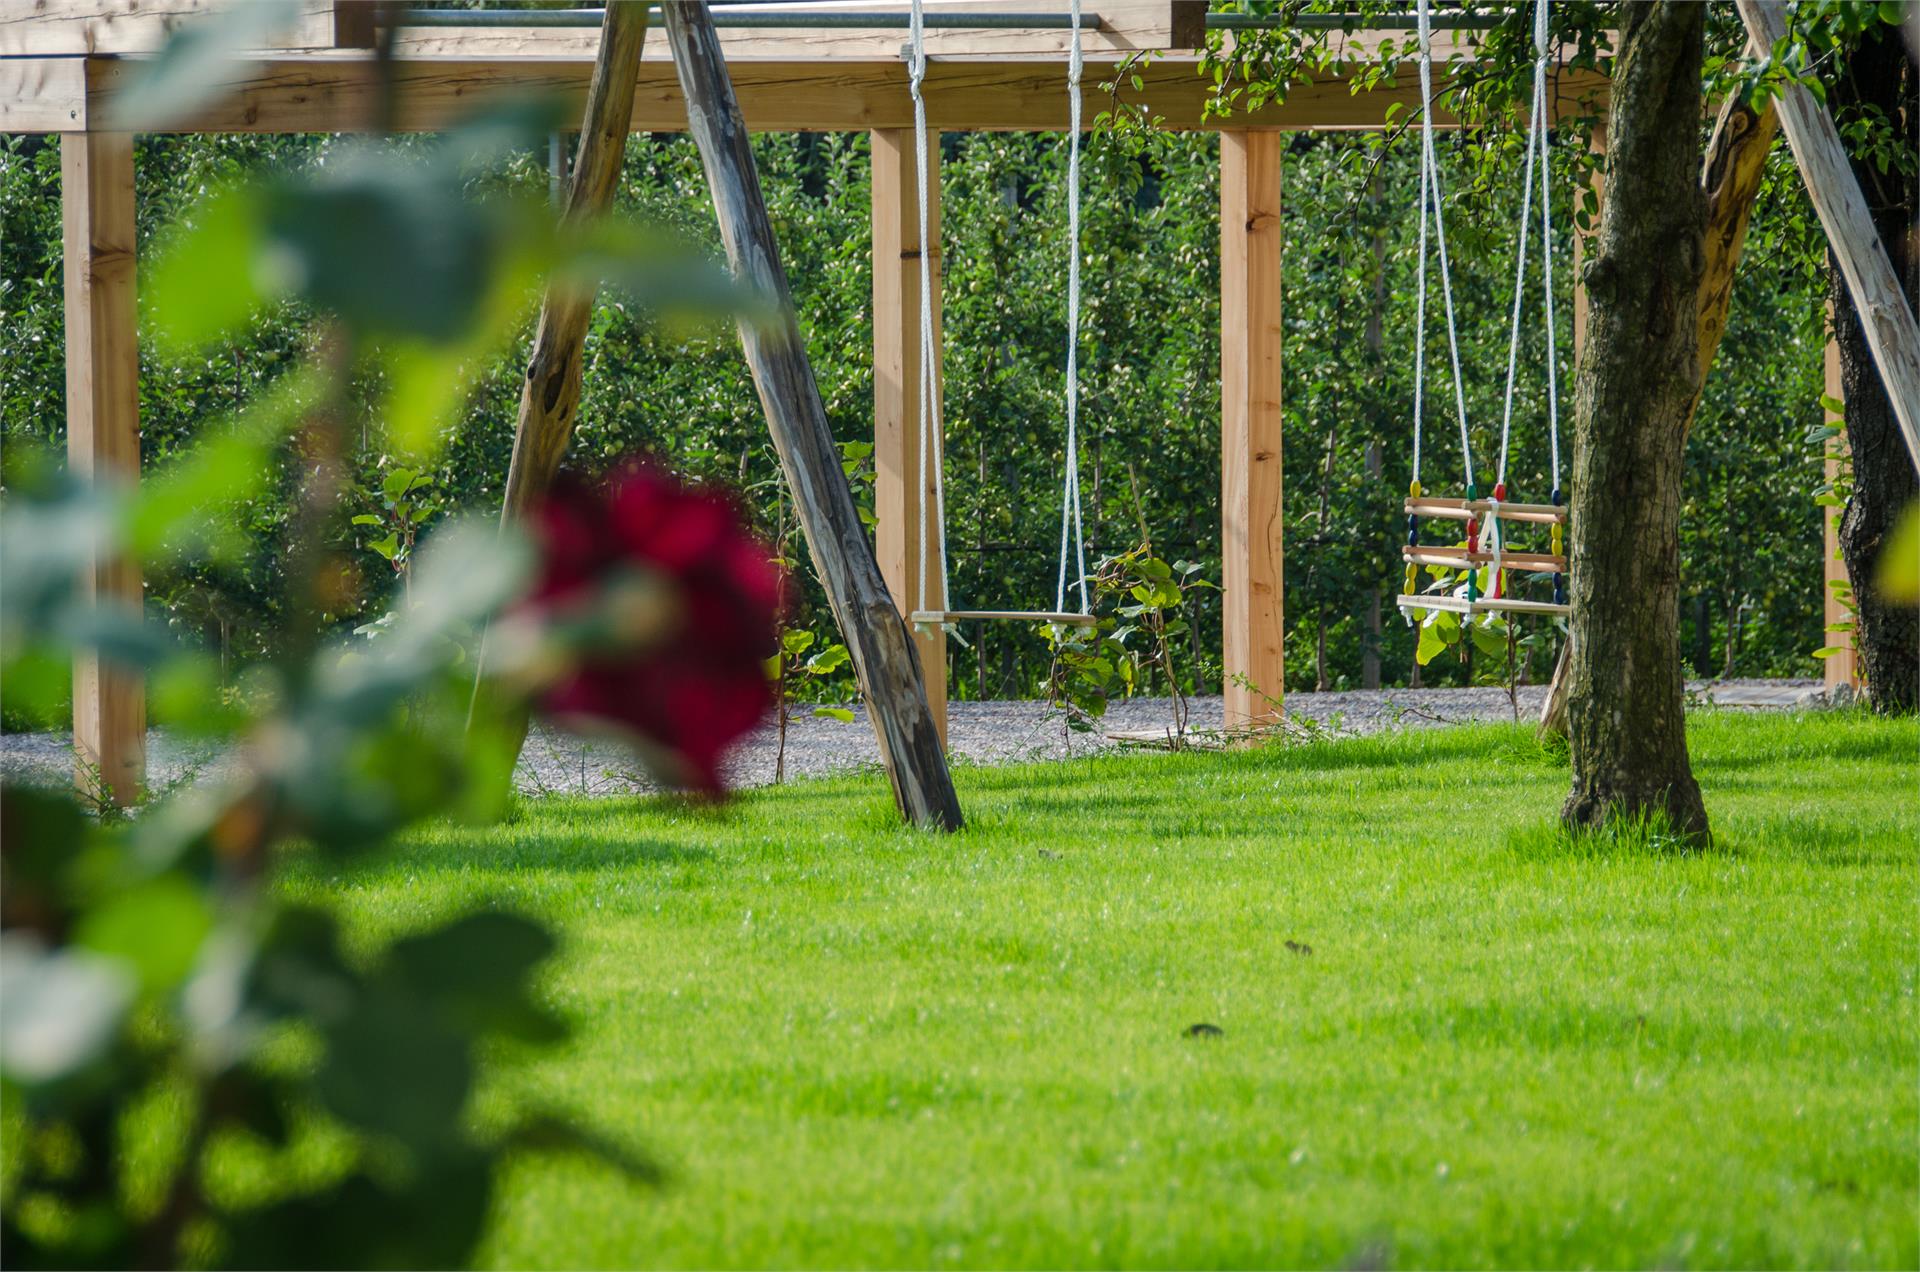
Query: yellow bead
x=1413, y=490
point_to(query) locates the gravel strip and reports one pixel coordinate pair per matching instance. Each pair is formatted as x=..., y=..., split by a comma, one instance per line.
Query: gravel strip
x=995, y=732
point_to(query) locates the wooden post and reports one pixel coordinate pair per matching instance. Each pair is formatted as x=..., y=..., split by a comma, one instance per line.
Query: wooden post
x=1841, y=669
x=899, y=493
x=875, y=633
x=103, y=437
x=1889, y=326
x=1254, y=659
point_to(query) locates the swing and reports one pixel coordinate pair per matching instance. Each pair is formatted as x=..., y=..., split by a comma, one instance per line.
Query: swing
x=931, y=440
x=1486, y=519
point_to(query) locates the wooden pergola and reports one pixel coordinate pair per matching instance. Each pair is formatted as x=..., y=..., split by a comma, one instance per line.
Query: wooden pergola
x=62, y=62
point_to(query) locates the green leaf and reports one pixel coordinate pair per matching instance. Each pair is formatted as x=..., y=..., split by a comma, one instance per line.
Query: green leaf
x=1897, y=576
x=389, y=547
x=1830, y=651
x=841, y=714
x=155, y=927
x=196, y=65
x=61, y=1011
x=829, y=659
x=205, y=282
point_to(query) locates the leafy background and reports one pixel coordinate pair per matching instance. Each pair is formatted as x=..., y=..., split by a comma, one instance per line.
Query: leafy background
x=1751, y=590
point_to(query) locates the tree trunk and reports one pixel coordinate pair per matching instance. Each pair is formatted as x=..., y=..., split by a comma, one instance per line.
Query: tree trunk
x=1730, y=178
x=876, y=634
x=1878, y=76
x=1636, y=384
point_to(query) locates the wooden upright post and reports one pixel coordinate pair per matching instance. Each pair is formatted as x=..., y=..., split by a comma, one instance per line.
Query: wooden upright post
x=1254, y=658
x=1841, y=669
x=103, y=437
x=900, y=494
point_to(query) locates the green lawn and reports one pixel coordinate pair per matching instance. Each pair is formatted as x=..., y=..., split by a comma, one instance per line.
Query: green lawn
x=860, y=1046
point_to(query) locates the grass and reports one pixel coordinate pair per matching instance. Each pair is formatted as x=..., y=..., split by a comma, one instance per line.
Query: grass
x=861, y=1046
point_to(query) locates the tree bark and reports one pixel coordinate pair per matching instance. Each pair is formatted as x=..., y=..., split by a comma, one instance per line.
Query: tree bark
x=1878, y=76
x=876, y=634
x=1636, y=384
x=1730, y=179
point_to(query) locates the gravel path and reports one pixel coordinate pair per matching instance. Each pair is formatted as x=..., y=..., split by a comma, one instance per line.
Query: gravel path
x=977, y=733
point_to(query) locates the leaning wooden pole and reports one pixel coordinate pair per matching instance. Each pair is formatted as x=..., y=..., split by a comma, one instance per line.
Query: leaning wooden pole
x=550, y=398
x=883, y=653
x=1888, y=324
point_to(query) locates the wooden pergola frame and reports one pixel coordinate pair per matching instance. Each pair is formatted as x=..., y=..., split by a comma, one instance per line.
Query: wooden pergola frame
x=60, y=72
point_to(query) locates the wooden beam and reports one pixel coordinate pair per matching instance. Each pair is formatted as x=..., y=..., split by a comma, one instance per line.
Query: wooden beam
x=57, y=28
x=776, y=350
x=103, y=438
x=900, y=489
x=1254, y=656
x=1126, y=27
x=43, y=94
x=1889, y=326
x=331, y=92
x=1842, y=668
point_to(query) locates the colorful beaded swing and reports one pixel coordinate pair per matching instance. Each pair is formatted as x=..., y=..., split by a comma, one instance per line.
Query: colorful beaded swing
x=1485, y=550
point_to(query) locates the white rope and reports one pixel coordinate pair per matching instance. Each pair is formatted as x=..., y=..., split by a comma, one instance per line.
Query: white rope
x=1546, y=237
x=931, y=431
x=1536, y=148
x=1431, y=195
x=1070, y=488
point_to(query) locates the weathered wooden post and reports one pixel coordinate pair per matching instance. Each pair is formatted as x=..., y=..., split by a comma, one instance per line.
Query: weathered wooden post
x=103, y=438
x=1254, y=656
x=876, y=634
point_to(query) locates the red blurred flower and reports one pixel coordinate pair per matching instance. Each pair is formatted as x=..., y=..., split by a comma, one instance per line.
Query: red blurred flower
x=674, y=609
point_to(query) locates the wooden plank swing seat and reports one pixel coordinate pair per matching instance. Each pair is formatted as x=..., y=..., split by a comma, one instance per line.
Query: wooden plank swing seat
x=1481, y=605
x=1470, y=509
x=1460, y=558
x=943, y=617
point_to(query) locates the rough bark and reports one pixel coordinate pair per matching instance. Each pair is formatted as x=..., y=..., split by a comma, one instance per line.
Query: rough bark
x=1887, y=637
x=551, y=396
x=876, y=634
x=1636, y=384
x=1730, y=179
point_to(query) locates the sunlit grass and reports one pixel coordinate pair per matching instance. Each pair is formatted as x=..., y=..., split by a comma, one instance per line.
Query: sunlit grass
x=1452, y=1035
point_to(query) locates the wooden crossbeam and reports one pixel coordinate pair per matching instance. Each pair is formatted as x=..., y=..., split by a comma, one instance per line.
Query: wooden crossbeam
x=1459, y=558
x=1485, y=605
x=333, y=91
x=1462, y=510
x=942, y=617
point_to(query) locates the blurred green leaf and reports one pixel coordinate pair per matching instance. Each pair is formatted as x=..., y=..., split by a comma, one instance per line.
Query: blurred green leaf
x=197, y=65
x=155, y=927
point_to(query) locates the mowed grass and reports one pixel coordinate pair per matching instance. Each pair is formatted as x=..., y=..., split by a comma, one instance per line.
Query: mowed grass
x=859, y=1046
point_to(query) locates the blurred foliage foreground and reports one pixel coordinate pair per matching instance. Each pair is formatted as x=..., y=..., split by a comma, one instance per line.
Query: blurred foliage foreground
x=150, y=968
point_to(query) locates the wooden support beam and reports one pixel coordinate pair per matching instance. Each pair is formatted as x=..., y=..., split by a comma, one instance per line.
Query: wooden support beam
x=1127, y=27
x=43, y=94
x=1254, y=656
x=331, y=92
x=103, y=438
x=1842, y=668
x=902, y=485
x=59, y=28
x=776, y=350
x=1891, y=331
